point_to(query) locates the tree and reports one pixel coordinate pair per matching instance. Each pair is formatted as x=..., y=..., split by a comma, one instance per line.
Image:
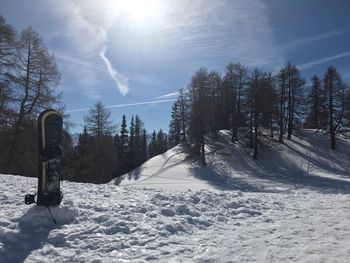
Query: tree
x=317, y=114
x=123, y=144
x=35, y=79
x=175, y=125
x=198, y=124
x=182, y=112
x=335, y=90
x=230, y=84
x=290, y=87
x=98, y=122
x=347, y=108
x=214, y=91
x=162, y=142
x=282, y=101
x=152, y=147
x=7, y=62
x=255, y=103
x=144, y=146
x=295, y=84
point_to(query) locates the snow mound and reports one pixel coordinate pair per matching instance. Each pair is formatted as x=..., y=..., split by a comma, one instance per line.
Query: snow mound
x=305, y=161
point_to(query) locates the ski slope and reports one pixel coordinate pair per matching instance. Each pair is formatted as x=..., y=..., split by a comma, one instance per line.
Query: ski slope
x=171, y=210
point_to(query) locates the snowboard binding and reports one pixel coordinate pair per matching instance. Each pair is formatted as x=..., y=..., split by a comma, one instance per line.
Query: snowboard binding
x=50, y=151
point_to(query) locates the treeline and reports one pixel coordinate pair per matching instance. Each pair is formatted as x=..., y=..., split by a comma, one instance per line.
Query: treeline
x=263, y=103
x=102, y=153
x=28, y=81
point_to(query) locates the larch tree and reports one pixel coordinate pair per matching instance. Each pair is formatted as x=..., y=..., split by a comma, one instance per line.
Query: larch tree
x=317, y=114
x=335, y=92
x=35, y=79
x=98, y=121
x=198, y=125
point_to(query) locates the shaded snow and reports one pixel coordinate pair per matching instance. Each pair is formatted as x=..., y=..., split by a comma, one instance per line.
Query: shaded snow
x=305, y=161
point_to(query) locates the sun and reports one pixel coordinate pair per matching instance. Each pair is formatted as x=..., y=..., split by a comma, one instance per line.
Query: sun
x=141, y=9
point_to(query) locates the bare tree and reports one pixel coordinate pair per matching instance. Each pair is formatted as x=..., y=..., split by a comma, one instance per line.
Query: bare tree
x=35, y=79
x=335, y=89
x=98, y=122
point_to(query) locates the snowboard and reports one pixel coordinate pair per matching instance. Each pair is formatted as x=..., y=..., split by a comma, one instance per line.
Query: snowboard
x=50, y=150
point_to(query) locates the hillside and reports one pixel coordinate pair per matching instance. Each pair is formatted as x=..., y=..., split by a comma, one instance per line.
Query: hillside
x=305, y=161
x=246, y=211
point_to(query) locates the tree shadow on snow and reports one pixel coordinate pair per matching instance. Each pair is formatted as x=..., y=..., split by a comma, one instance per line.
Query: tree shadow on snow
x=135, y=175
x=34, y=229
x=274, y=171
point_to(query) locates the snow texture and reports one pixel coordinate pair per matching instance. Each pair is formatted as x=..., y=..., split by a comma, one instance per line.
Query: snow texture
x=239, y=216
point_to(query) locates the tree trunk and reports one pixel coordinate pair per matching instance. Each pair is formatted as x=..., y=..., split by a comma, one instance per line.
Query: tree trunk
x=280, y=139
x=203, y=153
x=331, y=121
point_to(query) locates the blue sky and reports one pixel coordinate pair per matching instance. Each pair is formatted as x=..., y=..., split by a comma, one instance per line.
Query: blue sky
x=126, y=55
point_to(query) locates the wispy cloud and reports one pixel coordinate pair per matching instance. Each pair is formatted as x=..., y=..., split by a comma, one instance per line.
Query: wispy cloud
x=323, y=60
x=84, y=27
x=126, y=105
x=169, y=95
x=78, y=62
x=312, y=39
x=211, y=32
x=121, y=81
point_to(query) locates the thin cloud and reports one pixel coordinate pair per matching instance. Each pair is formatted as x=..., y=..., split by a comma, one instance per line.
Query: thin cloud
x=121, y=81
x=85, y=26
x=126, y=105
x=323, y=60
x=169, y=95
x=308, y=40
x=212, y=32
x=78, y=62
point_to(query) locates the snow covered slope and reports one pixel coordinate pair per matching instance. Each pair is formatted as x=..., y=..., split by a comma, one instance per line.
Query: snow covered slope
x=305, y=161
x=172, y=170
x=292, y=205
x=105, y=223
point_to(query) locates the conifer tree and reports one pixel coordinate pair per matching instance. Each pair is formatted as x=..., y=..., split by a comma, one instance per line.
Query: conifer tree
x=152, y=145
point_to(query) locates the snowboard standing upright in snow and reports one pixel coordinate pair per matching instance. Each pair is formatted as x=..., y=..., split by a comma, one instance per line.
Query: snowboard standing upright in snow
x=50, y=150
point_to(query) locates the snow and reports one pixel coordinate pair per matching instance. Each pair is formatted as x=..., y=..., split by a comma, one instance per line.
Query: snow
x=171, y=210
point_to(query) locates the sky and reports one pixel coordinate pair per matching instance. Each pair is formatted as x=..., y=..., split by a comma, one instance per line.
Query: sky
x=135, y=55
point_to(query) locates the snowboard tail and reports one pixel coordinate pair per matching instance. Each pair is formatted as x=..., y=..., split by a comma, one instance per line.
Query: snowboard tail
x=50, y=139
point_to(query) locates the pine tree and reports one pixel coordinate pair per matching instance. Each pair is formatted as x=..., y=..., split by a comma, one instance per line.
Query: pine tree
x=182, y=113
x=152, y=145
x=144, y=146
x=175, y=125
x=123, y=144
x=131, y=146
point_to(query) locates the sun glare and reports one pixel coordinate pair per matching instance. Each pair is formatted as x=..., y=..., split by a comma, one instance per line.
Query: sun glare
x=141, y=9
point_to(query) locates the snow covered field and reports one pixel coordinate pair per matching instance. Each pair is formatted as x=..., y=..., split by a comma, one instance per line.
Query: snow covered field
x=232, y=213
